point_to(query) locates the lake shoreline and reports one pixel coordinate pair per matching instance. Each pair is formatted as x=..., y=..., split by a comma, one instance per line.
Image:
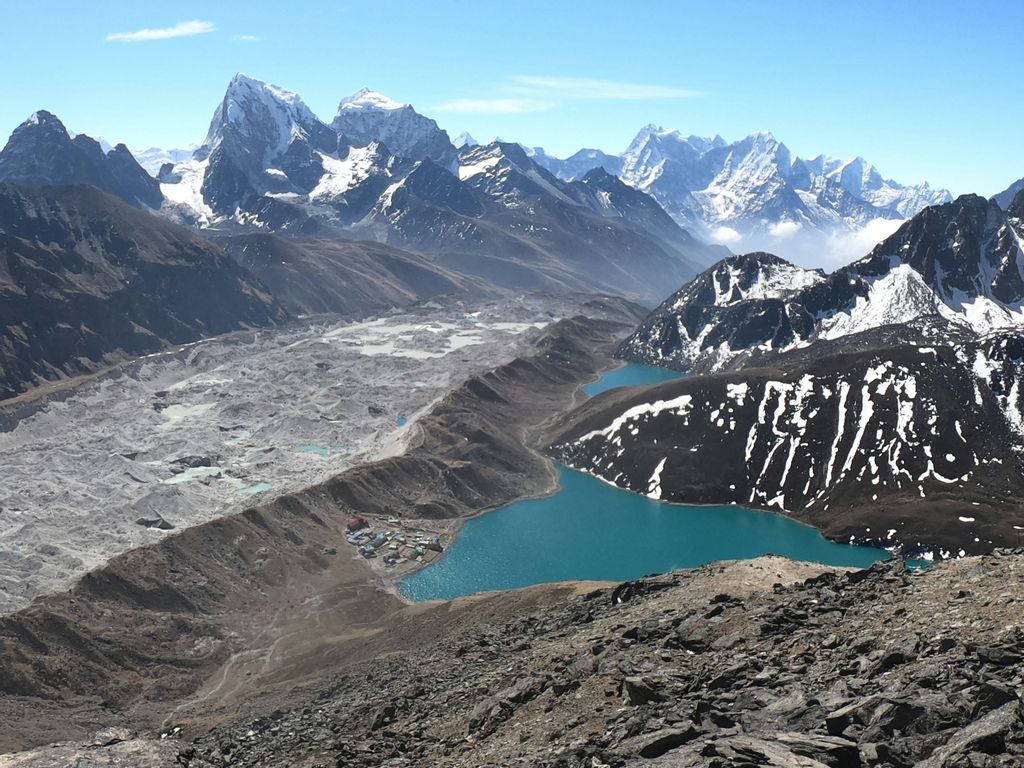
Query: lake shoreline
x=399, y=583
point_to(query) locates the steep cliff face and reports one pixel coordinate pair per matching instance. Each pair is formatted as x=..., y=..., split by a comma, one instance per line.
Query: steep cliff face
x=86, y=280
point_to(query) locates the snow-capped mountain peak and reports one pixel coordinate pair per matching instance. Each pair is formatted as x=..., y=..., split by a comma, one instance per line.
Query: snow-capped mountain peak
x=367, y=116
x=365, y=98
x=155, y=158
x=261, y=111
x=464, y=140
x=755, y=190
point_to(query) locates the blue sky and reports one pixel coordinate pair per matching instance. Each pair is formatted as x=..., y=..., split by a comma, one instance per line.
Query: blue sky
x=924, y=90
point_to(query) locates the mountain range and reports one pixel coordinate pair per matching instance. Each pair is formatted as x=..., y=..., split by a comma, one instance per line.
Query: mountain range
x=269, y=163
x=953, y=271
x=381, y=171
x=751, y=187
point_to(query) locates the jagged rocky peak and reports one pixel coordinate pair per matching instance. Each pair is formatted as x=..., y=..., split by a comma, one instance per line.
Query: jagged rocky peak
x=858, y=175
x=506, y=173
x=752, y=185
x=968, y=251
x=42, y=152
x=954, y=270
x=267, y=116
x=40, y=123
x=367, y=115
x=262, y=138
x=488, y=159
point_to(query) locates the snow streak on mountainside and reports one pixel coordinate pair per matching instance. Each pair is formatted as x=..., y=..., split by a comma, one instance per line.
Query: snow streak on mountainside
x=955, y=270
x=917, y=448
x=754, y=193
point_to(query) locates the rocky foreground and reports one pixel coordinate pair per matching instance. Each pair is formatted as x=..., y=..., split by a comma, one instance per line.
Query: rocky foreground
x=754, y=663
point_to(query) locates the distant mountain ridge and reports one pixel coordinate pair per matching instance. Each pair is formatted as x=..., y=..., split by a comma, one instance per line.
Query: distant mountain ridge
x=952, y=271
x=383, y=172
x=751, y=186
x=41, y=151
x=87, y=281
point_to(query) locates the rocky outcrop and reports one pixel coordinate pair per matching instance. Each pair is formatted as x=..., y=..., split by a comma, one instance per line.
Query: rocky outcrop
x=763, y=662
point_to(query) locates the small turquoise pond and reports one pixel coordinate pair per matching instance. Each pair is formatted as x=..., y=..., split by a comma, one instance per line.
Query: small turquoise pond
x=319, y=450
x=593, y=530
x=252, y=490
x=631, y=376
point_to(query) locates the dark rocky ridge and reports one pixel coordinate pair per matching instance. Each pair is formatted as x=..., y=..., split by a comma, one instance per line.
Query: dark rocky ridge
x=517, y=226
x=902, y=446
x=310, y=276
x=41, y=152
x=141, y=634
x=87, y=280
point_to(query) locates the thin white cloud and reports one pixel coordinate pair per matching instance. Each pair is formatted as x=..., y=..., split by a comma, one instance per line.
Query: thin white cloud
x=784, y=229
x=248, y=38
x=494, y=106
x=181, y=29
x=534, y=93
x=592, y=89
x=726, y=236
x=809, y=247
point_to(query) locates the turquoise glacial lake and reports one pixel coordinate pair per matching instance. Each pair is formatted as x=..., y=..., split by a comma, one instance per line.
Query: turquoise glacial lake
x=631, y=376
x=592, y=530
